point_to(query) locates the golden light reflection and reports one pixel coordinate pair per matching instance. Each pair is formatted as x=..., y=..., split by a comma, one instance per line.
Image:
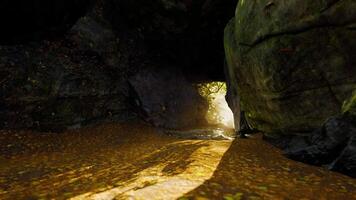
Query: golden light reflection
x=219, y=112
x=155, y=183
x=133, y=161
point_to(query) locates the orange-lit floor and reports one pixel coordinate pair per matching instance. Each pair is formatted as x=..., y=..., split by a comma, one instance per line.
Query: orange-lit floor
x=134, y=161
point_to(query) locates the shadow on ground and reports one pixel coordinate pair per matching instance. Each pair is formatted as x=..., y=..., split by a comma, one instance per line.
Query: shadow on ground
x=253, y=169
x=134, y=161
x=112, y=160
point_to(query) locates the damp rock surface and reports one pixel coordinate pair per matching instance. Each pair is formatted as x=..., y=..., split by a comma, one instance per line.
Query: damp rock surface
x=292, y=64
x=167, y=99
x=67, y=64
x=55, y=85
x=333, y=145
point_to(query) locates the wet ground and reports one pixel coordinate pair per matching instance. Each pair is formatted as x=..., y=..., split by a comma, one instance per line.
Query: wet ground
x=135, y=161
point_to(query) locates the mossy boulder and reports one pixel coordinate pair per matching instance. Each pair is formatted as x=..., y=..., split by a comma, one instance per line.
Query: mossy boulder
x=292, y=63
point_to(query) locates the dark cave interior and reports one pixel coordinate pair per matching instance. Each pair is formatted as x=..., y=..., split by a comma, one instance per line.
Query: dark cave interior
x=141, y=80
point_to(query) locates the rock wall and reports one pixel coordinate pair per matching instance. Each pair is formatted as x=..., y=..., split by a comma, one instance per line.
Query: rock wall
x=168, y=100
x=333, y=145
x=182, y=32
x=292, y=67
x=68, y=63
x=54, y=85
x=292, y=63
x=69, y=81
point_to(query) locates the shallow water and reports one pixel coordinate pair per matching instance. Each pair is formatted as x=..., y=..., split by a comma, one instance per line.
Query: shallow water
x=135, y=161
x=211, y=133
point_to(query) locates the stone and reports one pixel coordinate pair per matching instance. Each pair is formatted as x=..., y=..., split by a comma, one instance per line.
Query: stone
x=332, y=145
x=233, y=99
x=291, y=63
x=68, y=64
x=167, y=100
x=94, y=35
x=66, y=83
x=346, y=162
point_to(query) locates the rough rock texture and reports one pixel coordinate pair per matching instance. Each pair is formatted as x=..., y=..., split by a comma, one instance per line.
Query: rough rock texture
x=233, y=99
x=167, y=99
x=53, y=85
x=81, y=76
x=292, y=63
x=334, y=145
x=91, y=35
x=35, y=19
x=182, y=32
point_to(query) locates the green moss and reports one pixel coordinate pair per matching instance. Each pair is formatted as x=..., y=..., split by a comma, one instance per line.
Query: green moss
x=280, y=66
x=349, y=106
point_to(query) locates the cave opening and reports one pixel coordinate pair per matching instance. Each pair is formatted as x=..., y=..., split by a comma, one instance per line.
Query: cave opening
x=192, y=108
x=218, y=113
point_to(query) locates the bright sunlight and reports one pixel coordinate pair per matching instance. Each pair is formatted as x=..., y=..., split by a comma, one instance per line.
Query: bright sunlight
x=219, y=112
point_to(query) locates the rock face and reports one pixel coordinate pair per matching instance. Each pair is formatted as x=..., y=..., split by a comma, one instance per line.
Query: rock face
x=67, y=83
x=93, y=68
x=167, y=99
x=35, y=19
x=332, y=145
x=292, y=63
x=184, y=32
x=233, y=99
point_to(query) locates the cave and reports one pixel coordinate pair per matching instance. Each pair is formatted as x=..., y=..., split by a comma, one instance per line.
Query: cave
x=177, y=99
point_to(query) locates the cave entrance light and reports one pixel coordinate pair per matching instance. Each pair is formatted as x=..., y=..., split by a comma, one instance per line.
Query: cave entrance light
x=219, y=113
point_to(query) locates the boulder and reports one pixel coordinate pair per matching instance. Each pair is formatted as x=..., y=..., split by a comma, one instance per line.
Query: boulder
x=292, y=63
x=67, y=83
x=333, y=145
x=166, y=99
